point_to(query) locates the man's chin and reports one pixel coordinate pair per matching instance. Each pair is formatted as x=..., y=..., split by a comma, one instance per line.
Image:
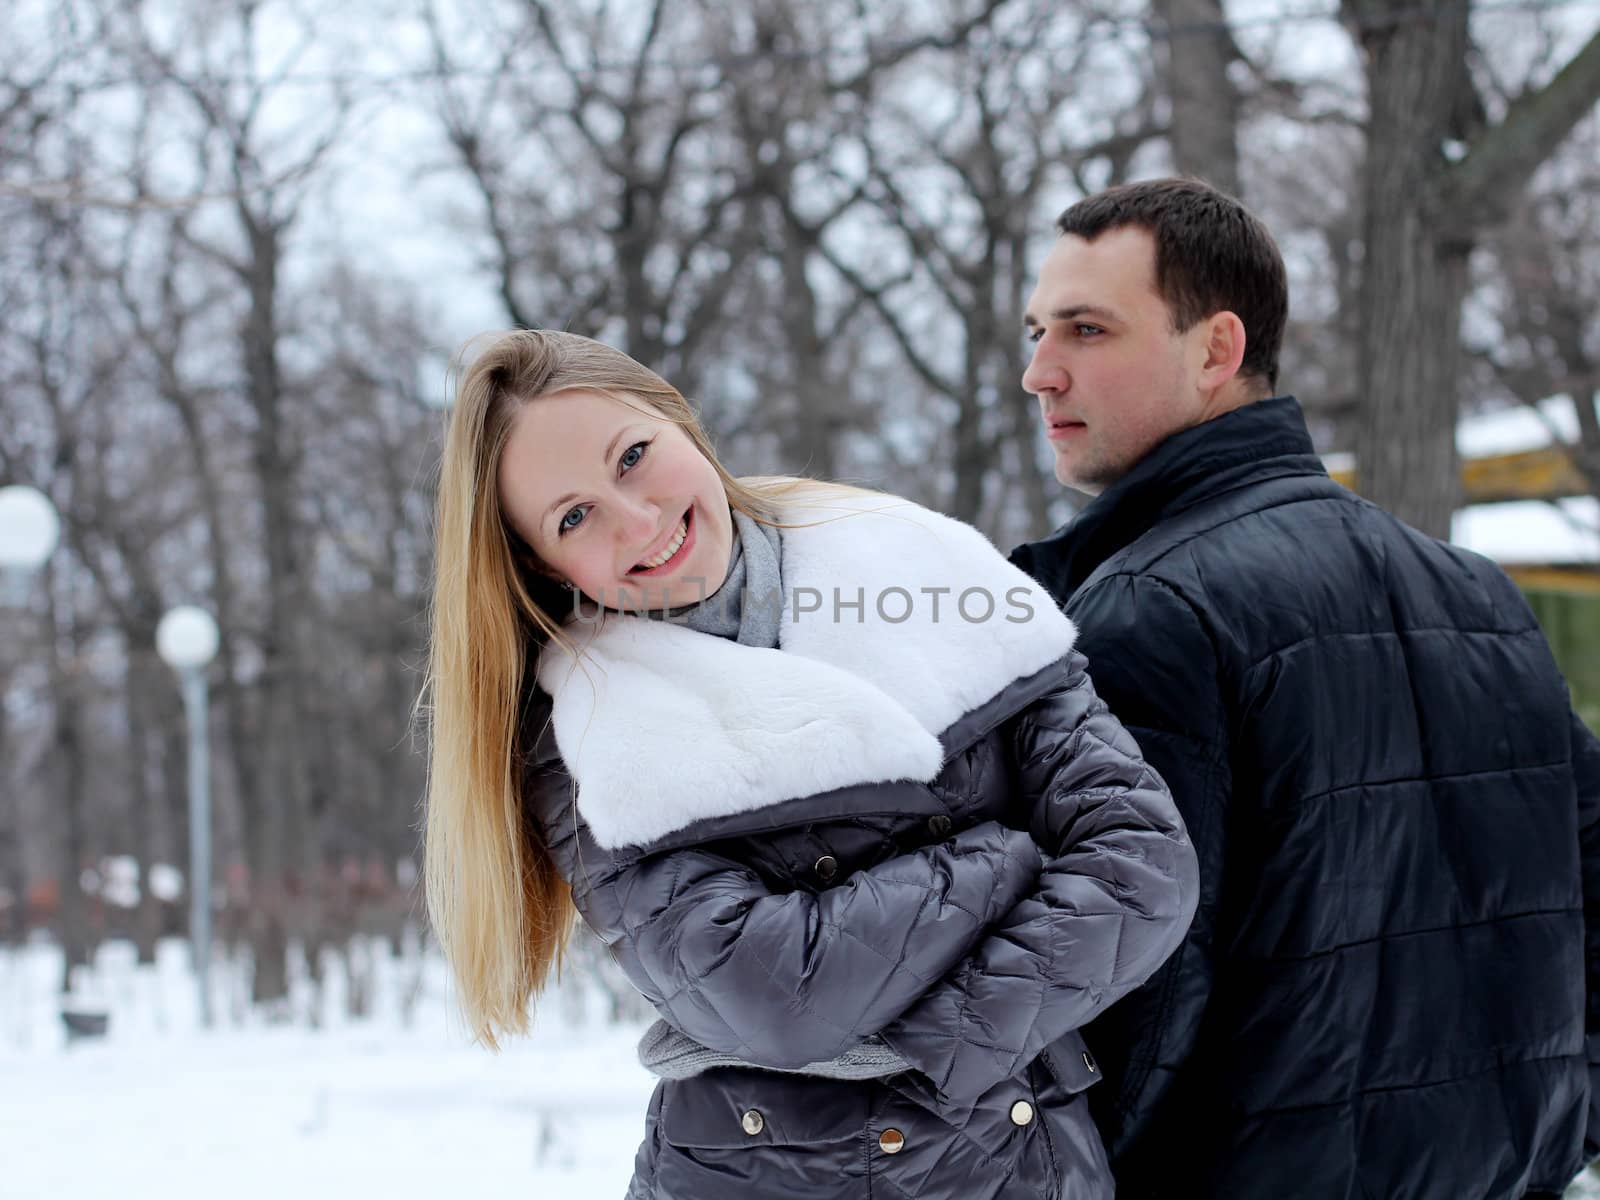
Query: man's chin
x=1073, y=476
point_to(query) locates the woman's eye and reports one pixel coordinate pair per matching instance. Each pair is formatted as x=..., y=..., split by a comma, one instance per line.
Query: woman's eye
x=631, y=456
x=572, y=519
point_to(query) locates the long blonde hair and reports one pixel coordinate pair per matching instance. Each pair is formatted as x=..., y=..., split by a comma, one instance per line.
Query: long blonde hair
x=498, y=906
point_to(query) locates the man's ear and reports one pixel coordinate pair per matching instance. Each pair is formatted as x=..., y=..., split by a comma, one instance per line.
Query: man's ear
x=1224, y=350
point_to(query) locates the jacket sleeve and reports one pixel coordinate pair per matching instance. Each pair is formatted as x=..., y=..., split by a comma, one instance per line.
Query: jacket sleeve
x=1117, y=892
x=1586, y=771
x=784, y=979
x=1157, y=667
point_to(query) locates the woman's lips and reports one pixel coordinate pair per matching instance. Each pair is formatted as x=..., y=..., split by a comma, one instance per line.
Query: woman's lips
x=671, y=563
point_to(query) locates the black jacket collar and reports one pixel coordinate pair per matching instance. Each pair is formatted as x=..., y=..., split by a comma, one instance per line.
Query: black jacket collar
x=1260, y=441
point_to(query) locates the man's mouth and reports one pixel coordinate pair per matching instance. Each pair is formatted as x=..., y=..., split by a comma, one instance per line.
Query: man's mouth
x=1060, y=427
x=669, y=553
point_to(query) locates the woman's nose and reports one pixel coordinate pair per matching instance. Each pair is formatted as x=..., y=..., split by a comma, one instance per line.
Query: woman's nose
x=640, y=520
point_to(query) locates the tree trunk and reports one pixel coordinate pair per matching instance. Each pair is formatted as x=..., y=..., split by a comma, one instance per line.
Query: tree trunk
x=972, y=458
x=143, y=684
x=13, y=879
x=1435, y=180
x=1414, y=276
x=1205, y=104
x=279, y=801
x=68, y=767
x=810, y=436
x=977, y=450
x=1023, y=424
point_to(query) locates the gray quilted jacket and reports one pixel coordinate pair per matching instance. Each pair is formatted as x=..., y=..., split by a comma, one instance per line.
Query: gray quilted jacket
x=932, y=831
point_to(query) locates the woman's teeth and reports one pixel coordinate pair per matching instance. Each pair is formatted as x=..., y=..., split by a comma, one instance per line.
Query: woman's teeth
x=651, y=564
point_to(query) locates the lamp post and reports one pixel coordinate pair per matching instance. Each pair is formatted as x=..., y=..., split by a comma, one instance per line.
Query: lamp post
x=187, y=640
x=29, y=531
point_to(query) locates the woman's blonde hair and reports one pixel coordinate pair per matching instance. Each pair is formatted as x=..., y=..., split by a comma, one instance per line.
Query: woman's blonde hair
x=499, y=908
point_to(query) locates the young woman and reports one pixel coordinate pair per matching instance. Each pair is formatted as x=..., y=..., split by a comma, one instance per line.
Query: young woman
x=817, y=765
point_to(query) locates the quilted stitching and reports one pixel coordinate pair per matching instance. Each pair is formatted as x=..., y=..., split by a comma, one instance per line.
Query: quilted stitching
x=908, y=920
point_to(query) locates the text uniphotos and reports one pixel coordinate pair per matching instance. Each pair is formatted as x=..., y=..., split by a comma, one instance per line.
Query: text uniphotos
x=890, y=605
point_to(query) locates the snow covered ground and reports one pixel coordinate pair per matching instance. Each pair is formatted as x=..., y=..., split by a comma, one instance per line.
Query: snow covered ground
x=161, y=1109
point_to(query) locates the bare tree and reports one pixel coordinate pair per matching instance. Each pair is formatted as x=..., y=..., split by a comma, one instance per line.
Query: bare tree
x=1195, y=50
x=589, y=144
x=162, y=379
x=57, y=364
x=956, y=190
x=1544, y=291
x=671, y=185
x=1439, y=174
x=225, y=86
x=372, y=487
x=800, y=84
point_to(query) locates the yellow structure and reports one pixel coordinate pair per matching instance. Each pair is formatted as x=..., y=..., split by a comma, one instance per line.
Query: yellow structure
x=1543, y=474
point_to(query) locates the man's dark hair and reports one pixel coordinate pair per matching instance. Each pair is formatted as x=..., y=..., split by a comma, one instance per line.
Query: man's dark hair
x=1212, y=255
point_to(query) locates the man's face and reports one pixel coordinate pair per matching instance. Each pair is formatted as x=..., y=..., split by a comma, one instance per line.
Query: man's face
x=1112, y=378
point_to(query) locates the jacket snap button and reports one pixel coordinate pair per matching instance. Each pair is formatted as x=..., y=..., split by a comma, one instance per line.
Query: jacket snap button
x=891, y=1141
x=939, y=826
x=1021, y=1112
x=827, y=867
x=753, y=1122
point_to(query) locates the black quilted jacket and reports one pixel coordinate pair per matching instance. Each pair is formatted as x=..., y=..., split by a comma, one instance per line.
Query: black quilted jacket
x=1386, y=992
x=975, y=921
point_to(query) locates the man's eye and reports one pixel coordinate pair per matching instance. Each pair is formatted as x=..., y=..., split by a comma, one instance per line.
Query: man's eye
x=1087, y=330
x=631, y=456
x=1032, y=334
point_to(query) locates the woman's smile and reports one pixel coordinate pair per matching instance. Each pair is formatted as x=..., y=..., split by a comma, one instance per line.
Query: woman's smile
x=677, y=550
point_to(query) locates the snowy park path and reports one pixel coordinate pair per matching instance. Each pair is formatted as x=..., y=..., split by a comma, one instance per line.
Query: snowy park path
x=290, y=1113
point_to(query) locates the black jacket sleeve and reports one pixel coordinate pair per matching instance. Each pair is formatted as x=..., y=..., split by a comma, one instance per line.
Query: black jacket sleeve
x=1156, y=667
x=1117, y=891
x=1586, y=771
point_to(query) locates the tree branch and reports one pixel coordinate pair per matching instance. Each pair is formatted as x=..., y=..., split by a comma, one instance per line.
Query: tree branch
x=1484, y=184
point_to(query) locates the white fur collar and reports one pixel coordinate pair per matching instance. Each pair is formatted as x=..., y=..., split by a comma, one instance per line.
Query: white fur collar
x=661, y=726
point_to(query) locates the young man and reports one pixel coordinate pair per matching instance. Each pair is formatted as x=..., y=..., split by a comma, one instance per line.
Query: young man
x=1390, y=983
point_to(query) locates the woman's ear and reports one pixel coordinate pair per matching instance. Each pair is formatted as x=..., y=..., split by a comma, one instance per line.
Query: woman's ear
x=554, y=577
x=523, y=553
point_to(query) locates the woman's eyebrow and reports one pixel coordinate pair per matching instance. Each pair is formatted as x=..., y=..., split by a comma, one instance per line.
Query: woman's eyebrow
x=611, y=447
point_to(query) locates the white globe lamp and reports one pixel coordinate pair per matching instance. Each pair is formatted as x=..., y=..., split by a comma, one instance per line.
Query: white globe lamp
x=187, y=638
x=29, y=532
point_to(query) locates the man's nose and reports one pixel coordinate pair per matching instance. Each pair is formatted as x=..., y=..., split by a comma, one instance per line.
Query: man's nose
x=1042, y=375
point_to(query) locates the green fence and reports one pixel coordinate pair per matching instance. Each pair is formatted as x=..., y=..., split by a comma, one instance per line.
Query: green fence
x=1572, y=623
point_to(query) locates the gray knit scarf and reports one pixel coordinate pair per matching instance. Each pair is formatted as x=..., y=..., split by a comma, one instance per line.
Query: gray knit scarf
x=747, y=609
x=749, y=604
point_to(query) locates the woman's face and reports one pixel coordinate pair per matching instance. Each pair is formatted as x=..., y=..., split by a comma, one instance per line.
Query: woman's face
x=616, y=500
